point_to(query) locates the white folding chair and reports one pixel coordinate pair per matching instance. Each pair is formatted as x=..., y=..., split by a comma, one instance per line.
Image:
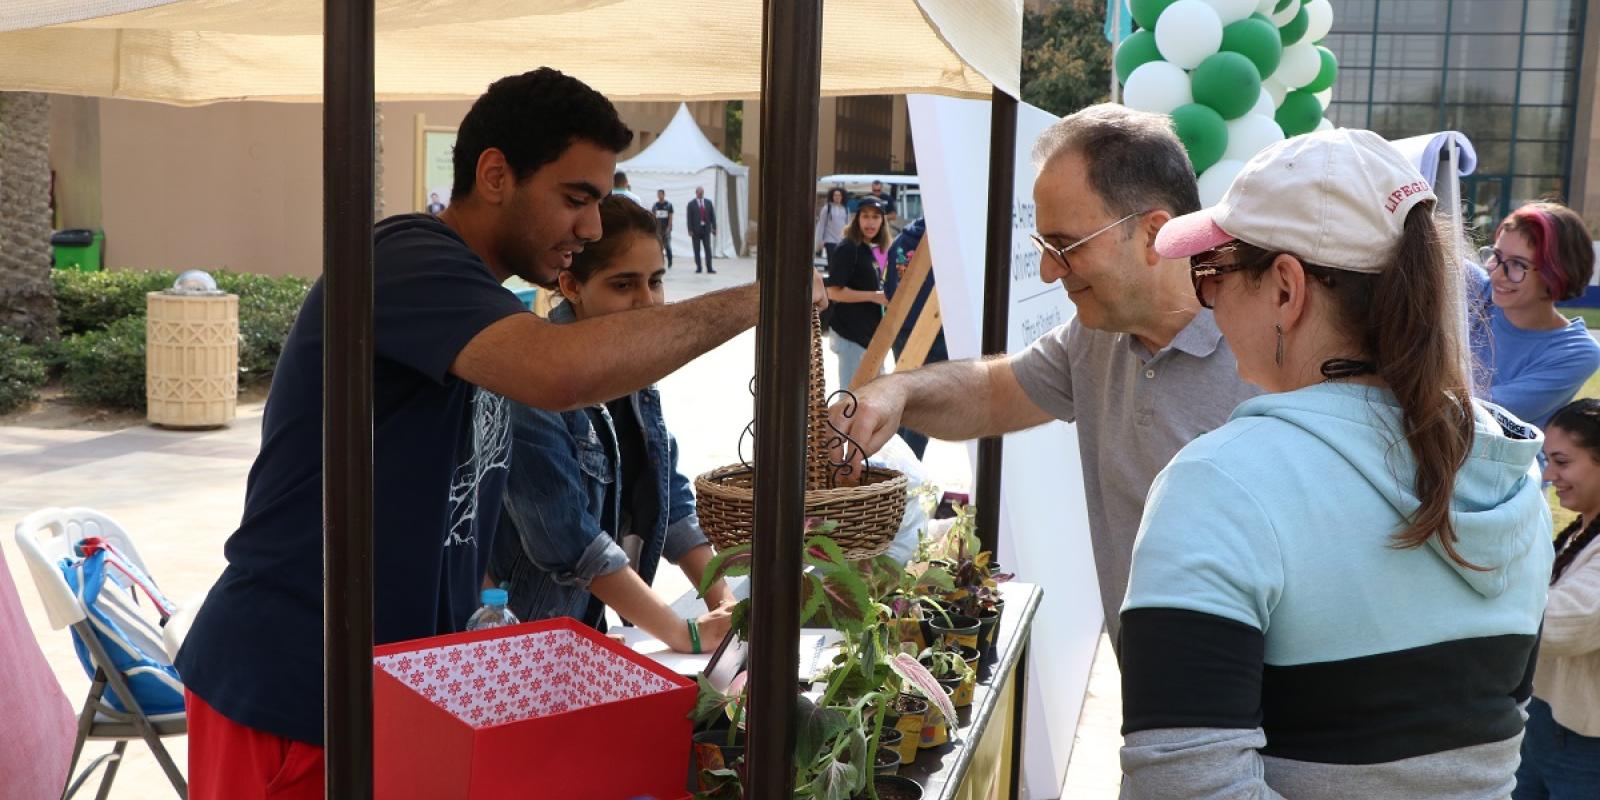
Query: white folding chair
x=45, y=537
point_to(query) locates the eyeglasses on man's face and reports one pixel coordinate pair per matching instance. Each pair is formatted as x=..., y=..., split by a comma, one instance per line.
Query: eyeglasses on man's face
x=1060, y=253
x=1516, y=267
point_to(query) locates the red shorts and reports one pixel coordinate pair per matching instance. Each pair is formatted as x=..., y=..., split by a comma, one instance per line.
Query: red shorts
x=228, y=761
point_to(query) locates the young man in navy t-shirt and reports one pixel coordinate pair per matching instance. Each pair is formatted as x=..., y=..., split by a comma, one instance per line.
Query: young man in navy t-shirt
x=533, y=157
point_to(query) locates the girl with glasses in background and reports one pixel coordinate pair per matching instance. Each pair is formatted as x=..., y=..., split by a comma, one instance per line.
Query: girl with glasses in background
x=1531, y=359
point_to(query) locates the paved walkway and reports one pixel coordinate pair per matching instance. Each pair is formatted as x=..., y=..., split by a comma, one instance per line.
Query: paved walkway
x=180, y=495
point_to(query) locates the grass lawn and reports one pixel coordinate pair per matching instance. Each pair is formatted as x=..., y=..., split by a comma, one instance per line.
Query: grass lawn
x=1591, y=316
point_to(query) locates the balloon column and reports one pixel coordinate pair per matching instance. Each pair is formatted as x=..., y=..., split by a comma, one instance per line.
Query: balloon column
x=1235, y=75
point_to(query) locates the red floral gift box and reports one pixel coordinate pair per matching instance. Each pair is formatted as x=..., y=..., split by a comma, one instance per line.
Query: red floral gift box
x=545, y=709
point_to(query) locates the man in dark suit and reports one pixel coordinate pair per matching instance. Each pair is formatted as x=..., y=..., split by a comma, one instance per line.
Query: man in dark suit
x=702, y=227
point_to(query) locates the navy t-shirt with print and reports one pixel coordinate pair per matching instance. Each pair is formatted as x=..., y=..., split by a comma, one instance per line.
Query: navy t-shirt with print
x=441, y=452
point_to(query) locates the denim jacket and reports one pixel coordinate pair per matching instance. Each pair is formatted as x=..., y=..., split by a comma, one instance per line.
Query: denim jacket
x=558, y=525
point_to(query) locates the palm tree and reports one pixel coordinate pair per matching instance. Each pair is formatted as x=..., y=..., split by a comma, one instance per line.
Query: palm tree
x=27, y=299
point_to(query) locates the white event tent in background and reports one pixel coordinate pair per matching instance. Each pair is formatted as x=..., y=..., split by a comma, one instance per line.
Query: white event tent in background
x=679, y=160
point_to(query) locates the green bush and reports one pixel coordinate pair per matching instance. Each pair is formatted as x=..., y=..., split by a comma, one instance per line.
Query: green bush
x=21, y=374
x=106, y=367
x=267, y=310
x=90, y=301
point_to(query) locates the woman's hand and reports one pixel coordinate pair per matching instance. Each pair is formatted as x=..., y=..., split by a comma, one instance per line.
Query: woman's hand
x=880, y=298
x=714, y=627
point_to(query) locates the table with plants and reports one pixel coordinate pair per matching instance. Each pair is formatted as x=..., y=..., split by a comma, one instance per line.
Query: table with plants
x=924, y=682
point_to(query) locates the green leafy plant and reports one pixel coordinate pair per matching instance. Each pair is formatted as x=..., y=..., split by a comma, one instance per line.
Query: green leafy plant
x=22, y=372
x=92, y=301
x=832, y=751
x=106, y=367
x=268, y=306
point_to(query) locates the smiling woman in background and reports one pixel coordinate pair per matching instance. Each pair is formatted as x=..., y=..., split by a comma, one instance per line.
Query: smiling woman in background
x=1531, y=359
x=1561, y=749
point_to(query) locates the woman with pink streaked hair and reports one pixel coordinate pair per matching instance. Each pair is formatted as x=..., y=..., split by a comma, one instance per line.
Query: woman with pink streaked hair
x=1531, y=359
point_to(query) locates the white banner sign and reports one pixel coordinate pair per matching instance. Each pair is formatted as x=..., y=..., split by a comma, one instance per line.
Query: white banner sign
x=1044, y=529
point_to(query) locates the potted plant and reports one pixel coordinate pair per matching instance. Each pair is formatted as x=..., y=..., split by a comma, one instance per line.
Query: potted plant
x=953, y=670
x=832, y=744
x=894, y=787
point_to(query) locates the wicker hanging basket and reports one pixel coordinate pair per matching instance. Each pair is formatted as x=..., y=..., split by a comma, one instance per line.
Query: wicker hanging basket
x=868, y=513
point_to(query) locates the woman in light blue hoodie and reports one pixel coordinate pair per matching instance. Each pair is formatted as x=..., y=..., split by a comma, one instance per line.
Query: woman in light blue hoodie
x=1337, y=593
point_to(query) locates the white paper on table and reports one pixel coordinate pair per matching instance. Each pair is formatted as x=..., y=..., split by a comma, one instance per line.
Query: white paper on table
x=656, y=650
x=817, y=648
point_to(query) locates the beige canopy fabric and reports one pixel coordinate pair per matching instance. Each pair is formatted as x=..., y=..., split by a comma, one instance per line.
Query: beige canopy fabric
x=201, y=51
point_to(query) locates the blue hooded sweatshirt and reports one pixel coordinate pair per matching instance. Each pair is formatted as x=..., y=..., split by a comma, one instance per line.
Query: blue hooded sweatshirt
x=1276, y=643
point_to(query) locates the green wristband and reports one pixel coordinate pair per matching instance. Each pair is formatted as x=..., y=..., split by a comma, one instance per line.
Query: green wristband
x=694, y=636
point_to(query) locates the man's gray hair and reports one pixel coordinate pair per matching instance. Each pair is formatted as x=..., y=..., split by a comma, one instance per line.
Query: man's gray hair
x=1134, y=159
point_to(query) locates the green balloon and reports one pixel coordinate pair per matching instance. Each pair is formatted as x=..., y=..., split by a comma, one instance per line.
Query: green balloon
x=1255, y=40
x=1263, y=18
x=1227, y=82
x=1204, y=134
x=1282, y=4
x=1146, y=12
x=1327, y=75
x=1134, y=52
x=1301, y=112
x=1296, y=29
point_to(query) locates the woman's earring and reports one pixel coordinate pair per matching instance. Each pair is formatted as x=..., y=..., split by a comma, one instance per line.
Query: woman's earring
x=1278, y=358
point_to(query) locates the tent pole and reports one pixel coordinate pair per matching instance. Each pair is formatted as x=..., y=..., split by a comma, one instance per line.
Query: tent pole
x=996, y=295
x=791, y=42
x=347, y=207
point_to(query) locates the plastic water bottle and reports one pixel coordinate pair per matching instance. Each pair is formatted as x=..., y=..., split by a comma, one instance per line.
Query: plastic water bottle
x=494, y=613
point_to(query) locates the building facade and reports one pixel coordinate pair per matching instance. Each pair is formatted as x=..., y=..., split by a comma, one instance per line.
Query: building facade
x=239, y=185
x=1518, y=77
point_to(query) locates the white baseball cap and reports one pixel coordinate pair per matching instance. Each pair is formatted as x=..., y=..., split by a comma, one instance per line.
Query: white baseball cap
x=1335, y=198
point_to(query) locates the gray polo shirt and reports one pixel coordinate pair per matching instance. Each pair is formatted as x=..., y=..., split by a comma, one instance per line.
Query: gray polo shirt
x=1134, y=412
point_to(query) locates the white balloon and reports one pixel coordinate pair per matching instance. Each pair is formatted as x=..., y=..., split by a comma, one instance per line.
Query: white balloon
x=1265, y=105
x=1324, y=97
x=1215, y=182
x=1273, y=87
x=1187, y=32
x=1287, y=15
x=1157, y=87
x=1250, y=134
x=1320, y=14
x=1325, y=125
x=1231, y=11
x=1300, y=65
x=1266, y=6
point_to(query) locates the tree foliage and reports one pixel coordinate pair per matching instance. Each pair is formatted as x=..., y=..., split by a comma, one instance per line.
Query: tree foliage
x=1066, y=60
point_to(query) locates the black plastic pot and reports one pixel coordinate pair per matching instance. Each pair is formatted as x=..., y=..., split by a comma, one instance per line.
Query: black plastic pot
x=894, y=787
x=710, y=750
x=988, y=623
x=887, y=762
x=957, y=630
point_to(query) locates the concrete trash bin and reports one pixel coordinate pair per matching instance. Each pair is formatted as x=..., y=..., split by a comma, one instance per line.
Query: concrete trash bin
x=191, y=358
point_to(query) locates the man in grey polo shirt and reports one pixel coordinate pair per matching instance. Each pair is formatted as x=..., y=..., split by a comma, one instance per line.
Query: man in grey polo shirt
x=1142, y=368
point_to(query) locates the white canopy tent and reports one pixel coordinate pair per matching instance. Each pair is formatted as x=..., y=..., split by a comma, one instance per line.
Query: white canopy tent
x=678, y=162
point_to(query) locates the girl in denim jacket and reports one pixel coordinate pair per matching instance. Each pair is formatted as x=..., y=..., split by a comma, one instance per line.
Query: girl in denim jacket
x=595, y=499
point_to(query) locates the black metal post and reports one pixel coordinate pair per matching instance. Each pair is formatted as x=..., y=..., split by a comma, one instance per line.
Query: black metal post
x=347, y=173
x=791, y=42
x=996, y=295
x=1019, y=704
